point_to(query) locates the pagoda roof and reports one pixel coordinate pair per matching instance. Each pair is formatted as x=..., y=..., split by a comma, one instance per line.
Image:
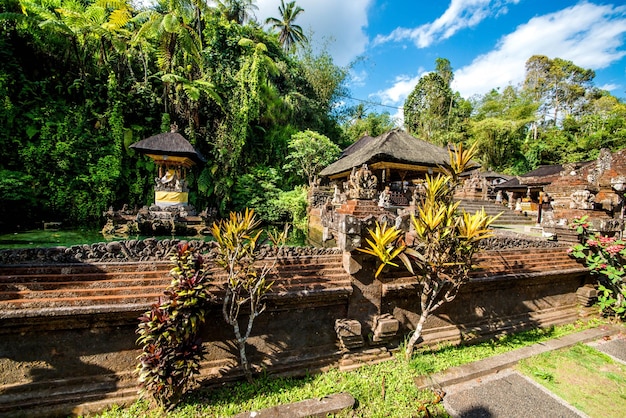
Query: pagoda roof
x=396, y=146
x=168, y=143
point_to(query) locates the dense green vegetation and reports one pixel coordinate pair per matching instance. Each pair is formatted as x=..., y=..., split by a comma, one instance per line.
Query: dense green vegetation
x=81, y=80
x=557, y=115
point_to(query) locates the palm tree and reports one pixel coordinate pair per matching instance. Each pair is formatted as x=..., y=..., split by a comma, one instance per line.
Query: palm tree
x=238, y=10
x=289, y=34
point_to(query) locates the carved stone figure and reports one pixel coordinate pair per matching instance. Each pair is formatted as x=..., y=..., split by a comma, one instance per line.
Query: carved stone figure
x=582, y=199
x=384, y=200
x=362, y=183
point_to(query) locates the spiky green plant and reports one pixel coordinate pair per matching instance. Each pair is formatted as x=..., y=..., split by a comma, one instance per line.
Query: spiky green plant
x=442, y=243
x=246, y=286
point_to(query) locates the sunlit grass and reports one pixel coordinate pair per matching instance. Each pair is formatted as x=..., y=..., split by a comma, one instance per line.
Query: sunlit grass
x=582, y=376
x=383, y=390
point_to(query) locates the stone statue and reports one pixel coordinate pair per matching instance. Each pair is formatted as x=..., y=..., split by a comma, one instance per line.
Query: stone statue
x=582, y=199
x=384, y=200
x=362, y=183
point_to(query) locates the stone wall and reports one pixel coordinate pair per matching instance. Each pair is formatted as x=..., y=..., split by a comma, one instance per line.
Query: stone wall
x=326, y=310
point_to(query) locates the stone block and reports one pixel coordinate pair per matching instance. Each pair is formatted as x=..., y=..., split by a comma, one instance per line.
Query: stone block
x=319, y=407
x=350, y=264
x=385, y=328
x=351, y=225
x=586, y=295
x=349, y=333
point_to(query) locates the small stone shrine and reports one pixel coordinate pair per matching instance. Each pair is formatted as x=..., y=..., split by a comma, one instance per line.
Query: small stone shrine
x=171, y=213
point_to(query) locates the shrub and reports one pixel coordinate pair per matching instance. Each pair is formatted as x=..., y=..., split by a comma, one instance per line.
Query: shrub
x=168, y=332
x=605, y=257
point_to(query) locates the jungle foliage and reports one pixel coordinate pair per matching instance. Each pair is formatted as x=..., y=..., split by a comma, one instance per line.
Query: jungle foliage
x=555, y=116
x=80, y=81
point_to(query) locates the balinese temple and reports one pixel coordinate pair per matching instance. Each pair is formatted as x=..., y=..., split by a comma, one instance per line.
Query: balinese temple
x=174, y=156
x=395, y=158
x=375, y=178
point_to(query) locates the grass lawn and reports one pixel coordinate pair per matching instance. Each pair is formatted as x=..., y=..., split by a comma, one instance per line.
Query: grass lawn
x=584, y=377
x=382, y=390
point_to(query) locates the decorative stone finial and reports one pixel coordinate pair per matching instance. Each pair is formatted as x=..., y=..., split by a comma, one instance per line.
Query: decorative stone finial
x=174, y=127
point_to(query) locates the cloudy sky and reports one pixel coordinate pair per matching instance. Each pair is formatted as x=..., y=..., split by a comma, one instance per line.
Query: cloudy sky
x=394, y=42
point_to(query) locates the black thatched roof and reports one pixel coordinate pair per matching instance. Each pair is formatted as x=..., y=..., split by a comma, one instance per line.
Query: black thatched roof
x=544, y=170
x=393, y=146
x=360, y=143
x=486, y=174
x=168, y=143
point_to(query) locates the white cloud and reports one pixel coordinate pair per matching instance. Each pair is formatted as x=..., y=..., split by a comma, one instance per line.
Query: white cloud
x=460, y=14
x=610, y=87
x=589, y=35
x=342, y=22
x=396, y=94
x=357, y=78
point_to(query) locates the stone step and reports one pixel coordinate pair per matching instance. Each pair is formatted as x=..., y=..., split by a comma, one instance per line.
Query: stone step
x=100, y=283
x=507, y=216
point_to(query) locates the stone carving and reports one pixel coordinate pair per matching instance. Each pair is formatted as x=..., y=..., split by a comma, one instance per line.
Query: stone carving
x=338, y=197
x=362, y=183
x=582, y=199
x=473, y=183
x=149, y=249
x=419, y=192
x=384, y=200
x=385, y=328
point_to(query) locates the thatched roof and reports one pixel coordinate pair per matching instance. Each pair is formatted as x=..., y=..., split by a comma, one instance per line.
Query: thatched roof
x=486, y=174
x=542, y=175
x=394, y=146
x=360, y=143
x=168, y=143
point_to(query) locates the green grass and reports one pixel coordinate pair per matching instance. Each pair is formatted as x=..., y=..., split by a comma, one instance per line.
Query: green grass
x=584, y=377
x=382, y=390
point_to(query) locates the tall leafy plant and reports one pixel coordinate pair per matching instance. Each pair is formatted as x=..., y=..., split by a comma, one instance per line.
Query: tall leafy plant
x=169, y=331
x=441, y=245
x=246, y=284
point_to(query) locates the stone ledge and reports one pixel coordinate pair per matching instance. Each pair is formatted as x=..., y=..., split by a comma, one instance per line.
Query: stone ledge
x=322, y=407
x=493, y=364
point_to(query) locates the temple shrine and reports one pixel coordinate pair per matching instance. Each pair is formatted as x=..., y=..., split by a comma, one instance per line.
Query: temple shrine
x=171, y=212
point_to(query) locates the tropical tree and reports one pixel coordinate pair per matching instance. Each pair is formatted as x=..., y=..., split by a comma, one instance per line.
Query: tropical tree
x=246, y=286
x=309, y=152
x=289, y=34
x=371, y=123
x=500, y=125
x=433, y=111
x=239, y=11
x=443, y=242
x=560, y=86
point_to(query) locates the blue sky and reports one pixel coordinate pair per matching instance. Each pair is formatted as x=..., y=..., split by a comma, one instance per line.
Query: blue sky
x=487, y=42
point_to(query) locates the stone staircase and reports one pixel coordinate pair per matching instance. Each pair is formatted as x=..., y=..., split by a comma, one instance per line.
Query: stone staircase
x=360, y=208
x=139, y=284
x=508, y=216
x=491, y=265
x=526, y=262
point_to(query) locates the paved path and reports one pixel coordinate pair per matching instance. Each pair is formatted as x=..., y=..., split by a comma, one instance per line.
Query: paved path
x=490, y=388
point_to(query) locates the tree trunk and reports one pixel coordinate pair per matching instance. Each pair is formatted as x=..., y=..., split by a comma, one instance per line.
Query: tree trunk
x=244, y=361
x=241, y=342
x=416, y=335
